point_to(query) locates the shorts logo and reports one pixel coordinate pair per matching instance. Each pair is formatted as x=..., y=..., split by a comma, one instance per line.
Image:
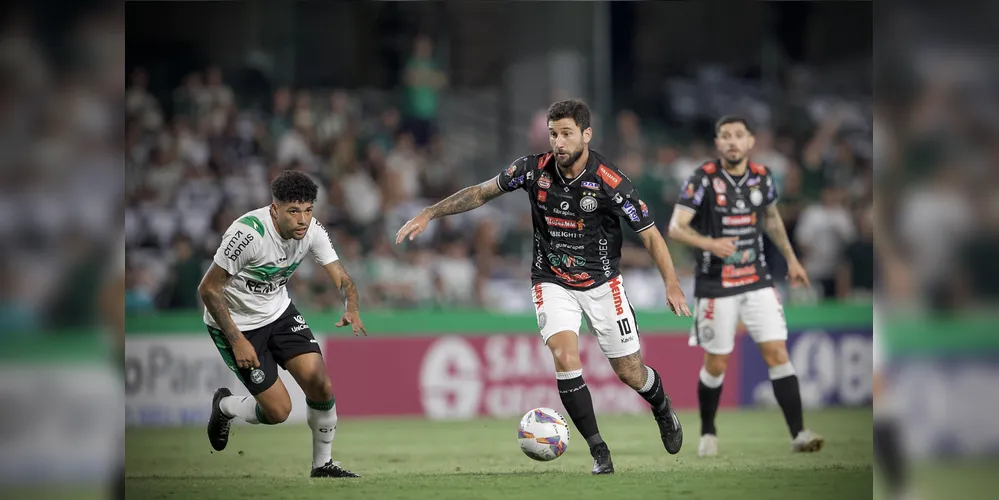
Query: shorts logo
x=707, y=334
x=542, y=321
x=709, y=311
x=544, y=182
x=300, y=319
x=590, y=185
x=588, y=203
x=615, y=286
x=539, y=299
x=257, y=376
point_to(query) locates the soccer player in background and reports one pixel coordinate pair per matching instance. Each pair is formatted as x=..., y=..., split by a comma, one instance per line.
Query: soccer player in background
x=724, y=208
x=577, y=200
x=257, y=328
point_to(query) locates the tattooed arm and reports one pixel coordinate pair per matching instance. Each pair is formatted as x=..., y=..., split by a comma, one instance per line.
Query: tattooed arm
x=348, y=291
x=467, y=199
x=774, y=226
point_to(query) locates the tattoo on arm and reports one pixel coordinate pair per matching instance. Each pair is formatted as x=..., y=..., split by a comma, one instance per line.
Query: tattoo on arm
x=211, y=291
x=467, y=199
x=778, y=233
x=347, y=289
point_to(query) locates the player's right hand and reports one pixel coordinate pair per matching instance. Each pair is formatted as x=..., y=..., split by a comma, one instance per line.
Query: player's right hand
x=413, y=228
x=723, y=247
x=246, y=356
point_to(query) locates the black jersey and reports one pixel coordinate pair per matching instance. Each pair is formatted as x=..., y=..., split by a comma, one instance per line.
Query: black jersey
x=577, y=227
x=727, y=207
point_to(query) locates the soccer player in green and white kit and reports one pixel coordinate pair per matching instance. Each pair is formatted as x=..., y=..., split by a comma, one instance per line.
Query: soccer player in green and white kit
x=256, y=327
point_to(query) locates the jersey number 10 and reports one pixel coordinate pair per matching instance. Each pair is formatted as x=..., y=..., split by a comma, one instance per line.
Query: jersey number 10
x=625, y=326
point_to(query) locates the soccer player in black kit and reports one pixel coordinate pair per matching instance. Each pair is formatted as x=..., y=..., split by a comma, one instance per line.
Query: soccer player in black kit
x=723, y=210
x=577, y=201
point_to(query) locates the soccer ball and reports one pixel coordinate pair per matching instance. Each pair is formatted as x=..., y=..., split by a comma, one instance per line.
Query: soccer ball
x=543, y=434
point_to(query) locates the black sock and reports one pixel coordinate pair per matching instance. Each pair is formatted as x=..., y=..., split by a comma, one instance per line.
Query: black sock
x=707, y=400
x=888, y=453
x=655, y=394
x=576, y=399
x=789, y=398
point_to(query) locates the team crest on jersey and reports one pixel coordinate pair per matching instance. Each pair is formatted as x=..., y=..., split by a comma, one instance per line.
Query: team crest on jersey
x=719, y=184
x=590, y=185
x=741, y=205
x=756, y=197
x=544, y=182
x=588, y=203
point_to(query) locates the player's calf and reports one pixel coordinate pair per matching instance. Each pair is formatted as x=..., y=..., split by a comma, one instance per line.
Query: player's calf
x=631, y=369
x=309, y=371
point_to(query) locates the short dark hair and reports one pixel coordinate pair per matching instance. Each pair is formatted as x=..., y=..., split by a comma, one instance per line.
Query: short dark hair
x=573, y=108
x=725, y=120
x=294, y=187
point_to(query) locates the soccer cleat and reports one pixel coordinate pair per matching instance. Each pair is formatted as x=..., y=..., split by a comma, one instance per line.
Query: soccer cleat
x=218, y=423
x=670, y=429
x=332, y=469
x=708, y=447
x=807, y=441
x=602, y=463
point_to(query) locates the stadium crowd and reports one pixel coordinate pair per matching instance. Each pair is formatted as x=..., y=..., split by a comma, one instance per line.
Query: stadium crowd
x=197, y=162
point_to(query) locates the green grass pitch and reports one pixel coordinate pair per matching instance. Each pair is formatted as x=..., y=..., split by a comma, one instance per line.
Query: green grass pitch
x=480, y=459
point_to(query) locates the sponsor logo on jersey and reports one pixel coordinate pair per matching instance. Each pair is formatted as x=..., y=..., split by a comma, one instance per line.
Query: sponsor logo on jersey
x=542, y=195
x=603, y=250
x=699, y=196
x=545, y=181
x=738, y=231
x=232, y=249
x=573, y=279
x=644, y=207
x=590, y=185
x=739, y=220
x=631, y=211
x=608, y=176
x=740, y=204
x=564, y=205
x=719, y=185
x=688, y=192
x=566, y=260
x=752, y=182
x=568, y=246
x=741, y=256
x=618, y=199
x=756, y=197
x=564, y=234
x=735, y=282
x=516, y=183
x=588, y=203
x=530, y=175
x=510, y=170
x=564, y=223
x=733, y=271
x=720, y=200
x=615, y=286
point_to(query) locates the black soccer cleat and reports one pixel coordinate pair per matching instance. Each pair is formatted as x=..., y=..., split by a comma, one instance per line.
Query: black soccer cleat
x=669, y=428
x=602, y=463
x=332, y=469
x=218, y=423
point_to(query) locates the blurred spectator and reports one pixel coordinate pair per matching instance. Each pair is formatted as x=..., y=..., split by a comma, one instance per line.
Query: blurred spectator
x=856, y=272
x=424, y=81
x=823, y=232
x=185, y=276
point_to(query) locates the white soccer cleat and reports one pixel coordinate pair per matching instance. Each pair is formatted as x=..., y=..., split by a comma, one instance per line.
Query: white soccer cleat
x=708, y=446
x=807, y=441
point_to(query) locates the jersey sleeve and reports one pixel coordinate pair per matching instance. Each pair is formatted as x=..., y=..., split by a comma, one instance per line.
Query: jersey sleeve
x=625, y=200
x=770, y=195
x=239, y=244
x=694, y=191
x=321, y=246
x=516, y=175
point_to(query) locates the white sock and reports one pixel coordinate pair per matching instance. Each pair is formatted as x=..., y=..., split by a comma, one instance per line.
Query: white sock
x=322, y=421
x=710, y=380
x=244, y=407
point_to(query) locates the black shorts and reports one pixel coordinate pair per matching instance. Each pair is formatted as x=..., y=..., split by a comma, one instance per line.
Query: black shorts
x=275, y=344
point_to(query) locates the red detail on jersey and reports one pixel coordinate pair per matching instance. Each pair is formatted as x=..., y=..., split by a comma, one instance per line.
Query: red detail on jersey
x=734, y=282
x=609, y=177
x=575, y=279
x=539, y=299
x=542, y=195
x=757, y=169
x=543, y=160
x=709, y=167
x=739, y=220
x=720, y=200
x=615, y=286
x=731, y=271
x=564, y=223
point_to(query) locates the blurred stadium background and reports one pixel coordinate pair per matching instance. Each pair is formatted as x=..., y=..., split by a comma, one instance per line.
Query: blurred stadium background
x=391, y=106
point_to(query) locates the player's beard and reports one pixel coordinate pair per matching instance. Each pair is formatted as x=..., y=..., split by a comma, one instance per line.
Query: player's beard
x=733, y=159
x=570, y=160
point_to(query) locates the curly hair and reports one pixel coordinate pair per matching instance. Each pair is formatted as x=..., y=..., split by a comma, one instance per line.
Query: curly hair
x=573, y=108
x=294, y=187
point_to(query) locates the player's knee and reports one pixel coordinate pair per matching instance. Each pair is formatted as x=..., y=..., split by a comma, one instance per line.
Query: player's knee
x=716, y=364
x=321, y=389
x=633, y=377
x=775, y=354
x=277, y=413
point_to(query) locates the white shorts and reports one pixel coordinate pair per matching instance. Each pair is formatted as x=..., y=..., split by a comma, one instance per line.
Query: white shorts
x=716, y=320
x=607, y=310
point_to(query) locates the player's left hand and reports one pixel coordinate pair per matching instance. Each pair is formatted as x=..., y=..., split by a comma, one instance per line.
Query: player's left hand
x=353, y=319
x=676, y=300
x=796, y=275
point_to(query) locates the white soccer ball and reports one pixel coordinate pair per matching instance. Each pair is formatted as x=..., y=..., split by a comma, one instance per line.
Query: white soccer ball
x=543, y=434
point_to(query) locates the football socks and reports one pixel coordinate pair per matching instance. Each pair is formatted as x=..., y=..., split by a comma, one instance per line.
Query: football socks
x=709, y=388
x=578, y=403
x=244, y=407
x=653, y=390
x=322, y=420
x=788, y=395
